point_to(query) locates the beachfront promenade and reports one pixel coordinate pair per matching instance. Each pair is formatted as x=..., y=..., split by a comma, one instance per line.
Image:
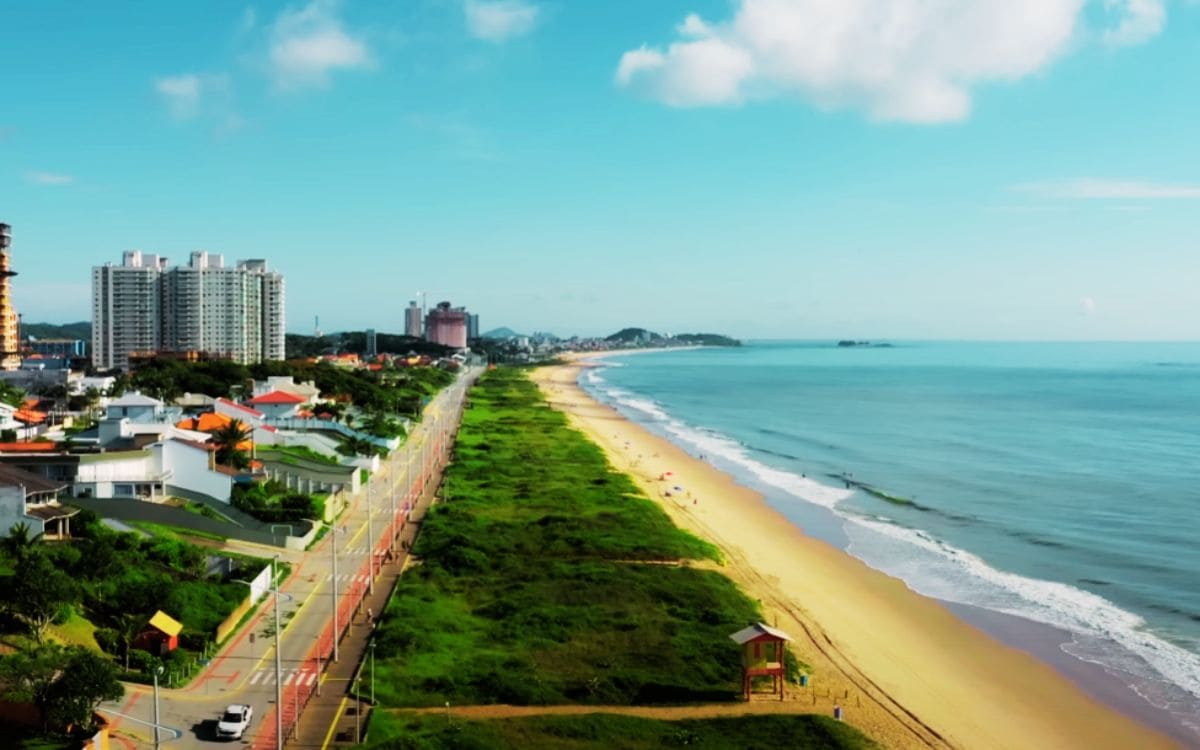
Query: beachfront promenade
x=244, y=671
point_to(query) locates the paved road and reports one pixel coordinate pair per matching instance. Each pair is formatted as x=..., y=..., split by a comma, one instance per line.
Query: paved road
x=244, y=671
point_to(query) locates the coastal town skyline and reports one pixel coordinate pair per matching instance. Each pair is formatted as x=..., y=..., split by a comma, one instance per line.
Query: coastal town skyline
x=681, y=166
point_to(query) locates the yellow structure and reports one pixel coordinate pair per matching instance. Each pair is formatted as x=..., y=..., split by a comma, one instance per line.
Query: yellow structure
x=10, y=349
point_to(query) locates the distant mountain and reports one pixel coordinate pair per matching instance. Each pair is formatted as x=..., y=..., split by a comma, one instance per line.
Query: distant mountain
x=501, y=333
x=643, y=336
x=706, y=339
x=80, y=330
x=631, y=335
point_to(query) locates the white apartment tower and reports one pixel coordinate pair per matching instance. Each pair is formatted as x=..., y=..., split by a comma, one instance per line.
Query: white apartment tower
x=143, y=306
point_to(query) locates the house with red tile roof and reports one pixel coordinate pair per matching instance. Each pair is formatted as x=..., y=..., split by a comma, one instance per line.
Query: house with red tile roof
x=278, y=404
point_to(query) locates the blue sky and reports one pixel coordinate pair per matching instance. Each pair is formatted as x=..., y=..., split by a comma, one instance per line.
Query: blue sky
x=1002, y=169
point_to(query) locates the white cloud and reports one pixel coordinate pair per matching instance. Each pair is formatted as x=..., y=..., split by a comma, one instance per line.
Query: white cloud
x=310, y=43
x=1092, y=188
x=499, y=20
x=1087, y=305
x=906, y=60
x=181, y=93
x=1138, y=20
x=49, y=178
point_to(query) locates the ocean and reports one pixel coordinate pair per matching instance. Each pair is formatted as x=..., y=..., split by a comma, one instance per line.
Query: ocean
x=1054, y=482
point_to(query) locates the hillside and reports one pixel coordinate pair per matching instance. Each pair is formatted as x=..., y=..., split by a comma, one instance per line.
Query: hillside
x=501, y=333
x=80, y=330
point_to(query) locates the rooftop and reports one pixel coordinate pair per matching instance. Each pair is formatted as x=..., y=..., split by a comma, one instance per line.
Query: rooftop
x=756, y=631
x=277, y=398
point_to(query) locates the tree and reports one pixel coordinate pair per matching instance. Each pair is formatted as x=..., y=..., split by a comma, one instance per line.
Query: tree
x=228, y=439
x=36, y=593
x=10, y=394
x=28, y=676
x=66, y=685
x=87, y=679
x=92, y=401
x=19, y=543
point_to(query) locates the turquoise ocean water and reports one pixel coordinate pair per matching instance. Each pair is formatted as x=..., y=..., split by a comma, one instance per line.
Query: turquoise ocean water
x=1059, y=483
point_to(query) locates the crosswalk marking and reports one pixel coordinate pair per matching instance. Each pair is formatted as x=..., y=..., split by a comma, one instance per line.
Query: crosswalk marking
x=297, y=676
x=348, y=577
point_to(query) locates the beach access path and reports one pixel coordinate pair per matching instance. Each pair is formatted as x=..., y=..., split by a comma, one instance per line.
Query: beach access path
x=905, y=670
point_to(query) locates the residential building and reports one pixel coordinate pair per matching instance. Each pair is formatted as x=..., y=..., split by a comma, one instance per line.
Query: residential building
x=472, y=326
x=33, y=500
x=309, y=391
x=10, y=335
x=203, y=308
x=447, y=326
x=372, y=343
x=412, y=320
x=277, y=404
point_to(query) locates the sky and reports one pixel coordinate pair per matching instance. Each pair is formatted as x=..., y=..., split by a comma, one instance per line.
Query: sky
x=906, y=169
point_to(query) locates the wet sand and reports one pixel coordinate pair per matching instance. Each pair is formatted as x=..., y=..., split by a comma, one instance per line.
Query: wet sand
x=905, y=669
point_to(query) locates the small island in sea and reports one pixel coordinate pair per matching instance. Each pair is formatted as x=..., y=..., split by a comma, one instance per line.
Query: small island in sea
x=850, y=343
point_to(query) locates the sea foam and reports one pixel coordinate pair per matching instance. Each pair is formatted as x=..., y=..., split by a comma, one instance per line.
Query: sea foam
x=1166, y=675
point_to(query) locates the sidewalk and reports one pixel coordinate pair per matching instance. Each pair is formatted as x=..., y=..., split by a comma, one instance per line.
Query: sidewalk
x=332, y=718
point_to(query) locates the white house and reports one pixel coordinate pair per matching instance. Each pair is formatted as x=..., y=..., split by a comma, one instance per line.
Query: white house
x=8, y=419
x=137, y=407
x=32, y=500
x=278, y=404
x=308, y=391
x=244, y=414
x=163, y=468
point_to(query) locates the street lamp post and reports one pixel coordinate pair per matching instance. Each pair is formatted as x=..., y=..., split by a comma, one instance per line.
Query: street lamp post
x=333, y=532
x=275, y=594
x=278, y=657
x=156, y=673
x=370, y=542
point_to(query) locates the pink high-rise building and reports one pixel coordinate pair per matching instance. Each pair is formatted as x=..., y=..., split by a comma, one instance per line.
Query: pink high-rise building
x=447, y=326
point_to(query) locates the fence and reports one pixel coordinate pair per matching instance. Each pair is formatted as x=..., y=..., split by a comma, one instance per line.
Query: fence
x=258, y=587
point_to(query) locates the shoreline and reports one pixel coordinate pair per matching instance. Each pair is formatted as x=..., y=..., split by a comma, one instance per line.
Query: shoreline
x=914, y=673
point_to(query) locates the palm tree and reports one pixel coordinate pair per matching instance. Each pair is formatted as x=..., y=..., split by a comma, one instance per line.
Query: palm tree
x=227, y=439
x=20, y=541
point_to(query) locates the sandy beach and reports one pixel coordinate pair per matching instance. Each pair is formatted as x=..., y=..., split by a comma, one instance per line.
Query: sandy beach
x=905, y=670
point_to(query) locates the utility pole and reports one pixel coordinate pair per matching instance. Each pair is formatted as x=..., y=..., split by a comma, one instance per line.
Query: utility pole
x=155, y=673
x=278, y=657
x=336, y=633
x=370, y=541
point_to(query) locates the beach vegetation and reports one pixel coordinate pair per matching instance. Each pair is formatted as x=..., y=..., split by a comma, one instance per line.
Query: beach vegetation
x=412, y=731
x=550, y=578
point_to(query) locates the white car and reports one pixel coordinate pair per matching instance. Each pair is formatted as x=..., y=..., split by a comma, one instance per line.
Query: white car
x=234, y=721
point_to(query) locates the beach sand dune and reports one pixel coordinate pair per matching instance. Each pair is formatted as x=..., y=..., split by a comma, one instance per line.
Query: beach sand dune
x=903, y=668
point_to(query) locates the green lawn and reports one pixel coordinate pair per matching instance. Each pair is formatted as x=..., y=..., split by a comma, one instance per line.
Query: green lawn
x=531, y=590
x=604, y=731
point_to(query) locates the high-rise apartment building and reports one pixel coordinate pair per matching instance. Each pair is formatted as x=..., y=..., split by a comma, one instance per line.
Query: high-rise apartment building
x=412, y=320
x=143, y=306
x=10, y=345
x=472, y=327
x=447, y=326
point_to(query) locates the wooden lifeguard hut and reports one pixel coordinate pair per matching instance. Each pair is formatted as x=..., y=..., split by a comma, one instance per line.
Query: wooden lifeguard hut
x=763, y=649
